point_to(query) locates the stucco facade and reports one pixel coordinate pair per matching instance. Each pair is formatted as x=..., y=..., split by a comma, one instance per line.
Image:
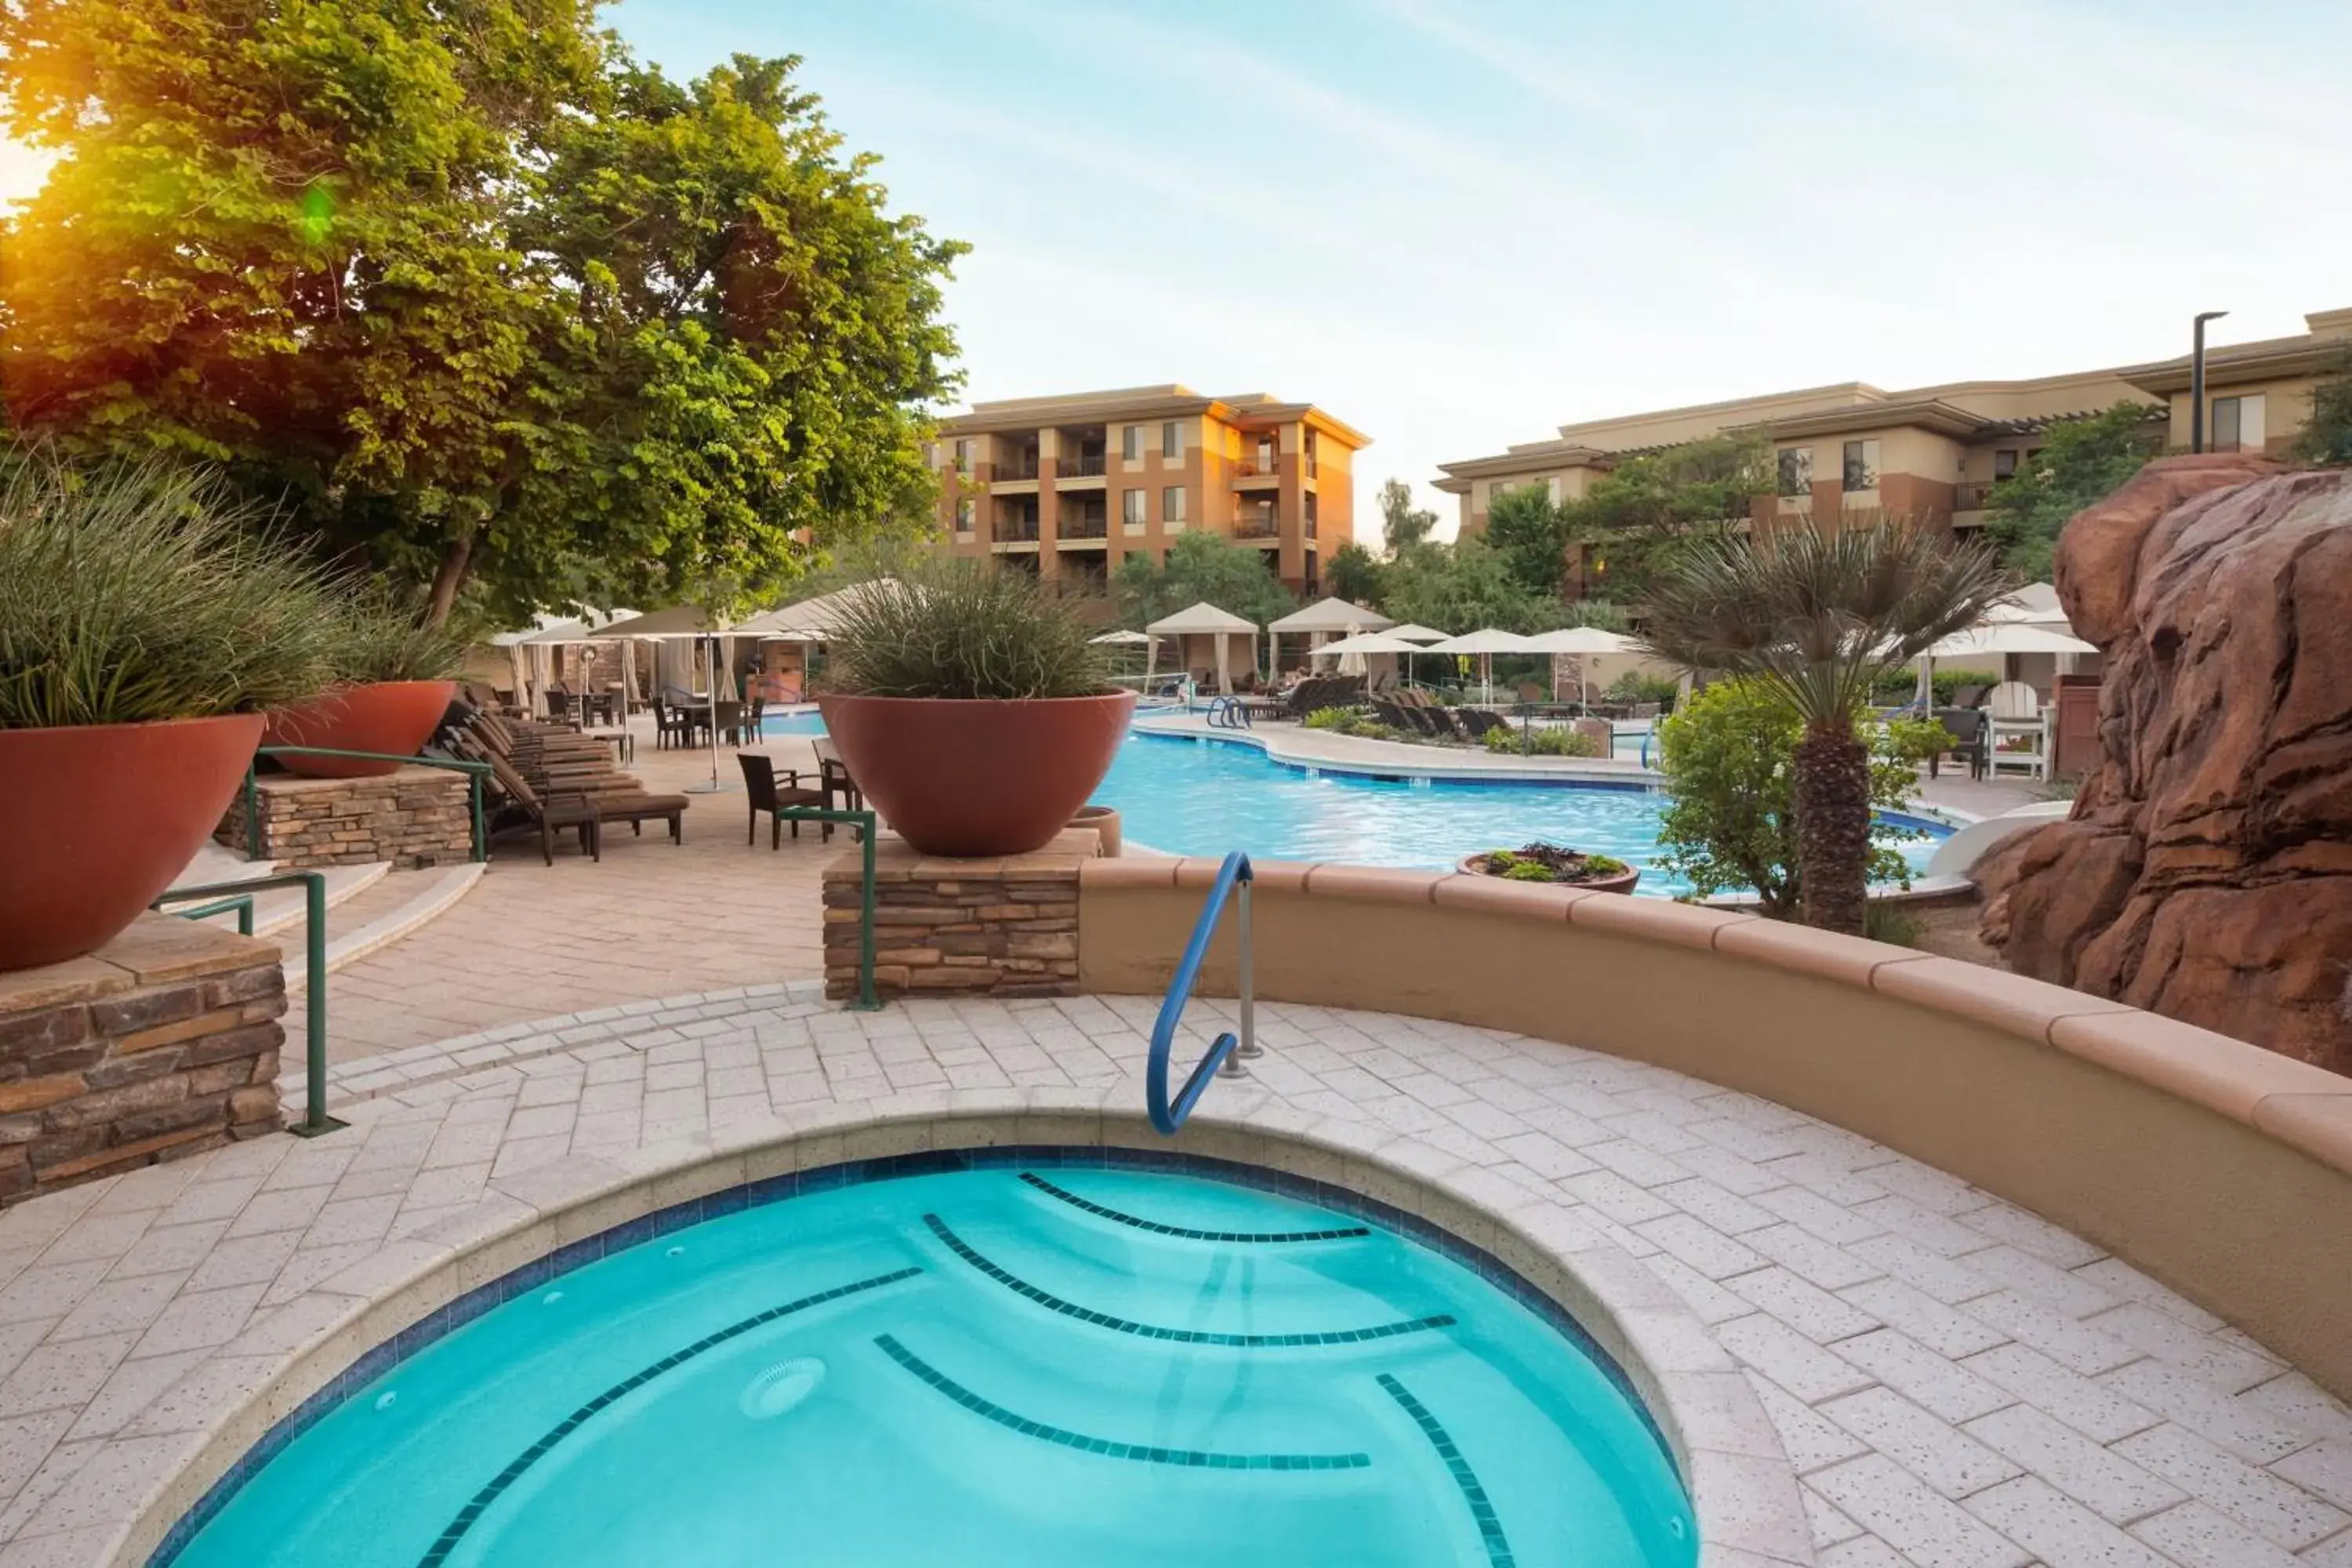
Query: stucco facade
x=1069, y=486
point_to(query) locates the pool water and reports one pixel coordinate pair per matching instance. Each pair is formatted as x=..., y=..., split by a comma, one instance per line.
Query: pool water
x=1188, y=795
x=994, y=1367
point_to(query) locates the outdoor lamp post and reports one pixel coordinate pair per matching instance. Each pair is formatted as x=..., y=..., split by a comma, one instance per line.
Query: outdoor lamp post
x=2196, y=379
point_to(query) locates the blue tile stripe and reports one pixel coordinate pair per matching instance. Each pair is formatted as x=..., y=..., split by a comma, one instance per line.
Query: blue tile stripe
x=1011, y=1281
x=1198, y=1457
x=534, y=1276
x=448, y=1540
x=1252, y=1237
x=1482, y=1509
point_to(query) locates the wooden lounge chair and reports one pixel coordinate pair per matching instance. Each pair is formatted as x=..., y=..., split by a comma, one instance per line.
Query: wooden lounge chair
x=765, y=795
x=616, y=795
x=551, y=812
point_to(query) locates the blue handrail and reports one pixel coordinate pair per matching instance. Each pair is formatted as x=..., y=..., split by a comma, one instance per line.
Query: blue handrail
x=1167, y=1118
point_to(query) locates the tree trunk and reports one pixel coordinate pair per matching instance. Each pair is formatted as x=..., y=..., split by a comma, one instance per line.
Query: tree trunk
x=450, y=576
x=1833, y=789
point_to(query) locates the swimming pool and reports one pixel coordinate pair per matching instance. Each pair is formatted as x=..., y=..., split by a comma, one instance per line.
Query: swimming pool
x=1027, y=1362
x=1190, y=795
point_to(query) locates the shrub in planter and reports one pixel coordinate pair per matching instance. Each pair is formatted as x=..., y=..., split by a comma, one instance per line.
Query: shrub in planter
x=971, y=707
x=394, y=675
x=147, y=619
x=1556, y=740
x=1550, y=863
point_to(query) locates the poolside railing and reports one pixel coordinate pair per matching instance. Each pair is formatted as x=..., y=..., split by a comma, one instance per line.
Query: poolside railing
x=1228, y=1050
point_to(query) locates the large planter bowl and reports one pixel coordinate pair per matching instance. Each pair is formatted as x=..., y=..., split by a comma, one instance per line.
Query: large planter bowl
x=100, y=818
x=395, y=717
x=1476, y=866
x=960, y=777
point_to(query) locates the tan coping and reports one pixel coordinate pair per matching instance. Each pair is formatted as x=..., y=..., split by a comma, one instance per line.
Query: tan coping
x=2083, y=1108
x=1742, y=1487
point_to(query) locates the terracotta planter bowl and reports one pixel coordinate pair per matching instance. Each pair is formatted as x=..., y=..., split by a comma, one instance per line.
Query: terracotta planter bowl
x=390, y=716
x=1476, y=866
x=958, y=778
x=1104, y=820
x=101, y=818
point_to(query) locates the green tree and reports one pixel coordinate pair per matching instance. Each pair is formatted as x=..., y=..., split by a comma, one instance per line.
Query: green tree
x=2327, y=439
x=1404, y=526
x=1730, y=822
x=2083, y=462
x=1355, y=573
x=466, y=291
x=1644, y=511
x=1200, y=566
x=1531, y=535
x=1464, y=585
x=1814, y=616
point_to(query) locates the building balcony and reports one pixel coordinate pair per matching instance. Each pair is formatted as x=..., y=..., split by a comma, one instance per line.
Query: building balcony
x=1086, y=465
x=1015, y=531
x=1971, y=495
x=1083, y=528
x=1257, y=525
x=1022, y=468
x=1255, y=471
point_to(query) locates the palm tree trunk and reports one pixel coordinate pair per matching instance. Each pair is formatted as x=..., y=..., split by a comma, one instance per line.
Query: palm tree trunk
x=1833, y=789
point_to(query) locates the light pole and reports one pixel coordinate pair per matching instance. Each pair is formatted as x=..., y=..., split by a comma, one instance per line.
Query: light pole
x=2196, y=379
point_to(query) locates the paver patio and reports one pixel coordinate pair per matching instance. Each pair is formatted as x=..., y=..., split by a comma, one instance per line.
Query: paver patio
x=1958, y=1383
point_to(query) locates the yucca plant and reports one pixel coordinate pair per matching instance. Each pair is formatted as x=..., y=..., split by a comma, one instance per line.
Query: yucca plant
x=383, y=633
x=958, y=629
x=148, y=591
x=1815, y=614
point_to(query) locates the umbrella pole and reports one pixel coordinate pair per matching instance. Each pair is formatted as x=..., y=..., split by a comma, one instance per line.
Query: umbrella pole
x=711, y=685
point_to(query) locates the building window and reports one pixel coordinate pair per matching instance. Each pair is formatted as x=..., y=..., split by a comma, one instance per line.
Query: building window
x=1306, y=447
x=963, y=515
x=1861, y=466
x=1130, y=442
x=2228, y=428
x=1266, y=450
x=1796, y=470
x=2004, y=463
x=1171, y=441
x=963, y=457
x=1306, y=513
x=1130, y=507
x=1172, y=504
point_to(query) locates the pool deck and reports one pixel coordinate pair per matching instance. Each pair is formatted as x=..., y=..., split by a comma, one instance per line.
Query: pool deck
x=1958, y=1384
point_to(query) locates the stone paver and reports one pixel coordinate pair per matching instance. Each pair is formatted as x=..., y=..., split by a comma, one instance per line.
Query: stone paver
x=1955, y=1382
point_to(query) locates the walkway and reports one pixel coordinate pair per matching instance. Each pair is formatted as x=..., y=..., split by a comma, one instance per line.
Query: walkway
x=1959, y=1384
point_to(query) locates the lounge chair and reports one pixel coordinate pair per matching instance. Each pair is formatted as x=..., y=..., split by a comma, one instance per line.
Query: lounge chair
x=1478, y=720
x=759, y=784
x=617, y=796
x=551, y=811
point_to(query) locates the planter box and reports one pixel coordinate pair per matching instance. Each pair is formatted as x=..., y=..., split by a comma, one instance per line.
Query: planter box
x=1005, y=927
x=416, y=816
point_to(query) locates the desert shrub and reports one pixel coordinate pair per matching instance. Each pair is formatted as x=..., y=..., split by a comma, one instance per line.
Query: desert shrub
x=384, y=634
x=1634, y=686
x=1553, y=740
x=952, y=628
x=1897, y=686
x=1729, y=759
x=1330, y=719
x=148, y=591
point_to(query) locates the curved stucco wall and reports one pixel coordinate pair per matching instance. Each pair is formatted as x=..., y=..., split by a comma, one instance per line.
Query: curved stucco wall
x=2219, y=1168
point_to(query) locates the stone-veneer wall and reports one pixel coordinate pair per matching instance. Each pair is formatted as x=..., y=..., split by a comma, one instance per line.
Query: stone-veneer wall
x=416, y=816
x=162, y=1042
x=972, y=927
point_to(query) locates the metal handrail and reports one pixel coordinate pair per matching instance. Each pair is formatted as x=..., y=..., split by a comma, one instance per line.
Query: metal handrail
x=867, y=1001
x=474, y=774
x=315, y=1120
x=1226, y=1052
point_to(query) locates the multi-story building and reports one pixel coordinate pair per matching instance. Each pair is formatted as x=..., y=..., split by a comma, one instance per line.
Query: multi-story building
x=1066, y=487
x=1930, y=452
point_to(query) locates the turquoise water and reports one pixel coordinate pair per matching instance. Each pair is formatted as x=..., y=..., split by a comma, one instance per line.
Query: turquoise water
x=1185, y=795
x=992, y=1369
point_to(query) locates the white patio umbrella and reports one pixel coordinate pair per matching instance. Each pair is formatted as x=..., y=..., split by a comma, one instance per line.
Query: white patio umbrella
x=684, y=623
x=1580, y=641
x=1131, y=639
x=1485, y=643
x=1355, y=645
x=2012, y=637
x=1411, y=633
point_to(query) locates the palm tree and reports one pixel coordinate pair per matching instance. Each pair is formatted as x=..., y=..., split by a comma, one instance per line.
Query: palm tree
x=1816, y=615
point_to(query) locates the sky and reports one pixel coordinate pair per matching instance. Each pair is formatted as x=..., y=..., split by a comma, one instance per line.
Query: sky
x=1456, y=225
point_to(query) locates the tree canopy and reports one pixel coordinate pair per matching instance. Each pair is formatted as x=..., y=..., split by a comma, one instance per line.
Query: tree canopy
x=1464, y=585
x=2082, y=461
x=1200, y=566
x=1531, y=532
x=1644, y=509
x=467, y=291
x=2327, y=439
x=1354, y=574
x=1403, y=524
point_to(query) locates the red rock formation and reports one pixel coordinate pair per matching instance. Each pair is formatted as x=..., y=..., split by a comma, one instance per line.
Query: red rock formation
x=2206, y=871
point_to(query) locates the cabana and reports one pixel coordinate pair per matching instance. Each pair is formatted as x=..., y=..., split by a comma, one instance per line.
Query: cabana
x=1318, y=622
x=1204, y=629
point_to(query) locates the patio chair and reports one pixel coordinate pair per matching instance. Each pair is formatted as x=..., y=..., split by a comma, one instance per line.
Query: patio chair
x=671, y=725
x=1969, y=696
x=729, y=719
x=1970, y=733
x=765, y=795
x=551, y=811
x=841, y=791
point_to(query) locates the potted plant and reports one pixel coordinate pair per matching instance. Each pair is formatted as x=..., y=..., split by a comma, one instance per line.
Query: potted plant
x=147, y=619
x=1550, y=863
x=394, y=675
x=971, y=708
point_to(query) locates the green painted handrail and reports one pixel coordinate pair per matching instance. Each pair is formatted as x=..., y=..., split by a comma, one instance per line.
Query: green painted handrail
x=241, y=906
x=868, y=1002
x=315, y=1120
x=475, y=772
